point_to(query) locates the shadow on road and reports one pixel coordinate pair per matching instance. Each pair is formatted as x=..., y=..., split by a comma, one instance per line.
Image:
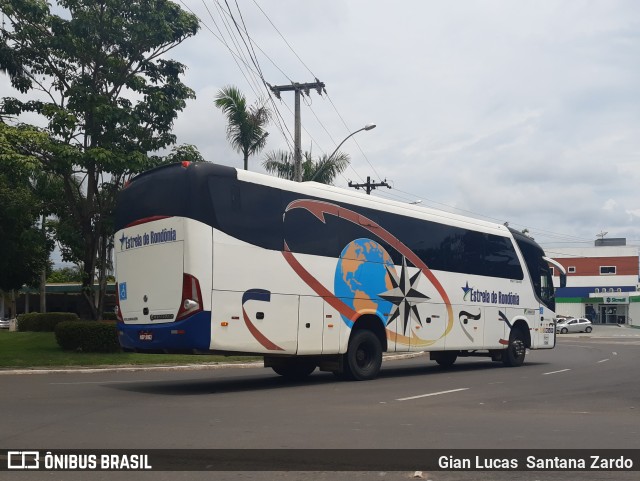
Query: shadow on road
x=267, y=380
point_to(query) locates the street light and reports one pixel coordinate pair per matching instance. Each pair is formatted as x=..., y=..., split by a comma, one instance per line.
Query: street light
x=366, y=127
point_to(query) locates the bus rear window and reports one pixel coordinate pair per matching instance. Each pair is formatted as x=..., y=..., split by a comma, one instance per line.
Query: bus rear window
x=160, y=193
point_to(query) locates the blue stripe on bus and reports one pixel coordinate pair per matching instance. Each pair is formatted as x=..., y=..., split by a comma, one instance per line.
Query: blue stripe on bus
x=195, y=333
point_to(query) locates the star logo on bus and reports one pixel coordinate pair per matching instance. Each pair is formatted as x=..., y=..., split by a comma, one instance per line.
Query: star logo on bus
x=466, y=290
x=122, y=240
x=404, y=295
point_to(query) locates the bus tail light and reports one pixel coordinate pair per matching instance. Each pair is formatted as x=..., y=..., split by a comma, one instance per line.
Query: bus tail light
x=191, y=301
x=118, y=308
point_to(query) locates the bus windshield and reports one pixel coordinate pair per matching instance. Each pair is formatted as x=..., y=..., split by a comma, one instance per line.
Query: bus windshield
x=539, y=269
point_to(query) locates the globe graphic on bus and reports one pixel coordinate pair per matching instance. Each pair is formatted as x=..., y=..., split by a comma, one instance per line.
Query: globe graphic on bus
x=361, y=275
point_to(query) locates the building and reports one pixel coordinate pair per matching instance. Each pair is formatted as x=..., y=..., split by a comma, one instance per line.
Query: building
x=60, y=298
x=603, y=282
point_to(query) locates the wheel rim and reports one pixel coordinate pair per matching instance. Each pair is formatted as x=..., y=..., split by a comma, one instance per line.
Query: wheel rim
x=364, y=356
x=518, y=348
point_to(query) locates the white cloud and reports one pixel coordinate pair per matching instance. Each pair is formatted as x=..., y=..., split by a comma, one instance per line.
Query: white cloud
x=522, y=111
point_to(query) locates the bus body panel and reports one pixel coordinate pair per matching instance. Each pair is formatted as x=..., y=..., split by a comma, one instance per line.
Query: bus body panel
x=278, y=298
x=333, y=330
x=311, y=325
x=254, y=321
x=468, y=328
x=192, y=334
x=495, y=328
x=150, y=268
x=150, y=260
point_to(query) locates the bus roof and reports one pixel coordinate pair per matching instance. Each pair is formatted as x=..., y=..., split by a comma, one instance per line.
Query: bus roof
x=315, y=189
x=343, y=195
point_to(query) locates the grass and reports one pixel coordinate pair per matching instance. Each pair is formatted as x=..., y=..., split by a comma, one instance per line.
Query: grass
x=40, y=349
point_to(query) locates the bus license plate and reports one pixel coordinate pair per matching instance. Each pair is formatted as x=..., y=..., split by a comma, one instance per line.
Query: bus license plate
x=146, y=336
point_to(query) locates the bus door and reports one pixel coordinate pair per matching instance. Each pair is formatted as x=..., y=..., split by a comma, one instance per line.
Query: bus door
x=544, y=330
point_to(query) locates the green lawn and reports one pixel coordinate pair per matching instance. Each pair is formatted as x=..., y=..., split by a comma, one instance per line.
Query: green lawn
x=39, y=349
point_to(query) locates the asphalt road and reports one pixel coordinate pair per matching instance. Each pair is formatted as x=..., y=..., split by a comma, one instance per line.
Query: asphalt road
x=583, y=394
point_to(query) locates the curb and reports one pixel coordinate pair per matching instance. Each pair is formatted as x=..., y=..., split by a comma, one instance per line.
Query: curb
x=183, y=367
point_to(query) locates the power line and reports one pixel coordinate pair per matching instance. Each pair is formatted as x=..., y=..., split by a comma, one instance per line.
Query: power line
x=284, y=39
x=254, y=72
x=280, y=125
x=221, y=40
x=349, y=130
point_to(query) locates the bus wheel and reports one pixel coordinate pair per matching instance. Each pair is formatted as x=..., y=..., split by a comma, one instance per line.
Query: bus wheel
x=295, y=371
x=513, y=355
x=446, y=358
x=364, y=356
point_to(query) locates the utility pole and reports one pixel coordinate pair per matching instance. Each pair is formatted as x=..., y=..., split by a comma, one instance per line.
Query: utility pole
x=369, y=186
x=297, y=88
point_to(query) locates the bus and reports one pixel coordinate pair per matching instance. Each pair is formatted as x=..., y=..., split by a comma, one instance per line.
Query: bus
x=211, y=259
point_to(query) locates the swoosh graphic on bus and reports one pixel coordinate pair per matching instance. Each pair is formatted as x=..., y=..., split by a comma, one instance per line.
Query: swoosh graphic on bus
x=319, y=209
x=315, y=284
x=340, y=306
x=504, y=318
x=467, y=315
x=264, y=296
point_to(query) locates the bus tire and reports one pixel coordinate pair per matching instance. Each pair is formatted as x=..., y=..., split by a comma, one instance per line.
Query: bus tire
x=446, y=359
x=364, y=356
x=295, y=371
x=513, y=355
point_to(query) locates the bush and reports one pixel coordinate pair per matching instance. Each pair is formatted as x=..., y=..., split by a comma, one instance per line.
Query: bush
x=109, y=316
x=88, y=336
x=43, y=322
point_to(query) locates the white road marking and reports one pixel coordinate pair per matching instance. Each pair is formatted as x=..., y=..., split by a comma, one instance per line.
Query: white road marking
x=555, y=372
x=603, y=360
x=432, y=394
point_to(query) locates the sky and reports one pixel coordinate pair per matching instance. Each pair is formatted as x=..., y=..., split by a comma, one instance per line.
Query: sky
x=525, y=112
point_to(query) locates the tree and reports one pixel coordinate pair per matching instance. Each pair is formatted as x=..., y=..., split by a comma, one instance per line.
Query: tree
x=245, y=125
x=25, y=251
x=65, y=274
x=184, y=152
x=99, y=75
x=323, y=170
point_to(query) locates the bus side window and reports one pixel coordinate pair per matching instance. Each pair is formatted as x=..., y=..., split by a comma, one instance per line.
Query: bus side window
x=249, y=212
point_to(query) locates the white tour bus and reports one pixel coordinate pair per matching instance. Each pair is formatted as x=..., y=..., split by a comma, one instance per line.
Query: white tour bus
x=210, y=259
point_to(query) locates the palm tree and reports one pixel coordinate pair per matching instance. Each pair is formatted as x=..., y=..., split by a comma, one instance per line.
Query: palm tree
x=245, y=124
x=323, y=170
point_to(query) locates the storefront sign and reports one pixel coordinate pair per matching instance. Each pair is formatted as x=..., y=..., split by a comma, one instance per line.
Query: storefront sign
x=615, y=300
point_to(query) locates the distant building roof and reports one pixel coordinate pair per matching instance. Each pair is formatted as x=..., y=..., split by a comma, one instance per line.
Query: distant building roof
x=613, y=241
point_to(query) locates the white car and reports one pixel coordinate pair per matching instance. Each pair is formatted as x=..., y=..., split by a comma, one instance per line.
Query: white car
x=574, y=325
x=4, y=323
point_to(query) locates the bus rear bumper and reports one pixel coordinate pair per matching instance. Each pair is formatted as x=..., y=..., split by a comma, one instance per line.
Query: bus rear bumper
x=189, y=335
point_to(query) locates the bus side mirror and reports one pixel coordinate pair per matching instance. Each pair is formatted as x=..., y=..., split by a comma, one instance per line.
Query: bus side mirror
x=561, y=270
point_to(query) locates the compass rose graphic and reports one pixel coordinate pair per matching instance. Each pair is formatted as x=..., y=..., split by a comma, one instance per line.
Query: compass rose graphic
x=404, y=295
